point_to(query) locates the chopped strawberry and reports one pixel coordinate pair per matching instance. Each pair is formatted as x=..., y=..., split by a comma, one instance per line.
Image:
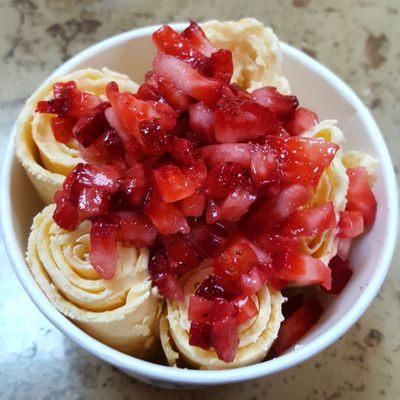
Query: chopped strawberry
x=224, y=338
x=239, y=119
x=208, y=240
x=198, y=39
x=182, y=151
x=351, y=224
x=103, y=247
x=66, y=213
x=93, y=202
x=194, y=205
x=235, y=261
x=167, y=218
x=297, y=325
x=222, y=181
x=310, y=222
x=247, y=309
x=201, y=121
x=200, y=309
x=62, y=129
x=220, y=65
x=163, y=90
x=236, y=204
x=264, y=166
x=135, y=184
x=341, y=274
x=360, y=196
x=187, y=79
x=300, y=269
x=269, y=97
x=273, y=212
x=172, y=43
x=212, y=288
x=166, y=282
x=136, y=229
x=91, y=126
x=156, y=141
x=181, y=254
x=343, y=248
x=173, y=184
x=199, y=335
x=219, y=154
x=301, y=121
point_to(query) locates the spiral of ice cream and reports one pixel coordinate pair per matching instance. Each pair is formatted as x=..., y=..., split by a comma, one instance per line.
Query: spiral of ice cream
x=255, y=336
x=46, y=161
x=122, y=312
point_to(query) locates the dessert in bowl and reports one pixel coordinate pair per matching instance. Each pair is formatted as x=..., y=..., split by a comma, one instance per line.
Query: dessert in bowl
x=229, y=222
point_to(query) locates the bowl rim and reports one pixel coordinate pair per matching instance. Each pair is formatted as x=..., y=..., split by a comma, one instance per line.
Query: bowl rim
x=160, y=373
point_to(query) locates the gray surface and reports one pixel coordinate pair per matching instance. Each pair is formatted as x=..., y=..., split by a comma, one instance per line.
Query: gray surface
x=359, y=40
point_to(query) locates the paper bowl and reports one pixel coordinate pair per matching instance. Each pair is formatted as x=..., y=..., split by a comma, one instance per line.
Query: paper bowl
x=317, y=88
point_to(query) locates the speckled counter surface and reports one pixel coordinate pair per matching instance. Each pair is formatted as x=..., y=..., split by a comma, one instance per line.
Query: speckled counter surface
x=357, y=39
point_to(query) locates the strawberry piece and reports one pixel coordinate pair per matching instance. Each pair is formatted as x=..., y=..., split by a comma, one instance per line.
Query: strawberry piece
x=194, y=205
x=167, y=218
x=172, y=184
x=208, y=240
x=351, y=224
x=300, y=269
x=136, y=229
x=62, y=129
x=66, y=213
x=172, y=43
x=182, y=151
x=187, y=79
x=222, y=181
x=200, y=309
x=224, y=337
x=181, y=254
x=167, y=283
x=220, y=66
x=341, y=274
x=297, y=325
x=155, y=140
x=269, y=97
x=240, y=119
x=251, y=282
x=233, y=207
x=271, y=213
x=219, y=154
x=135, y=184
x=263, y=166
x=247, y=309
x=360, y=196
x=234, y=261
x=198, y=39
x=103, y=247
x=343, y=248
x=53, y=106
x=302, y=159
x=201, y=121
x=93, y=202
x=164, y=91
x=79, y=103
x=199, y=335
x=301, y=121
x=310, y=222
x=91, y=126
x=212, y=288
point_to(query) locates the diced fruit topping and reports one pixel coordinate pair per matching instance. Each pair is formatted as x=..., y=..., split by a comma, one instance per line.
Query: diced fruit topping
x=341, y=274
x=195, y=167
x=360, y=196
x=297, y=325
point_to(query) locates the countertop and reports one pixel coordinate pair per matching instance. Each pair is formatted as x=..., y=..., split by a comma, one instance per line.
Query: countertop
x=358, y=40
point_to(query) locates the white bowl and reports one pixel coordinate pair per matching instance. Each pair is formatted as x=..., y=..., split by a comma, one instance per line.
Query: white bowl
x=317, y=88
